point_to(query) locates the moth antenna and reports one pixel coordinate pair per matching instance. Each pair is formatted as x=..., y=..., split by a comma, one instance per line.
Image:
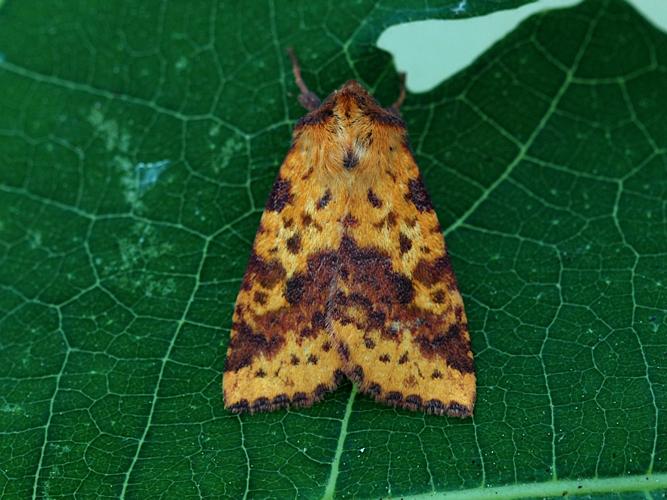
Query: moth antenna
x=401, y=94
x=307, y=98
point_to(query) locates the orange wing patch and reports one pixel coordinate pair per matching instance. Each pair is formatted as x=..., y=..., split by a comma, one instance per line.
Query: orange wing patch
x=399, y=315
x=280, y=351
x=349, y=275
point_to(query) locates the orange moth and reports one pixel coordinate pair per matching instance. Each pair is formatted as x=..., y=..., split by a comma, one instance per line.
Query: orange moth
x=349, y=274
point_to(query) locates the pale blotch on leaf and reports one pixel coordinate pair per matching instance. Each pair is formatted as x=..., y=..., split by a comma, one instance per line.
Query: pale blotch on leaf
x=460, y=7
x=181, y=63
x=135, y=179
x=34, y=238
x=60, y=449
x=229, y=149
x=127, y=179
x=149, y=172
x=214, y=130
x=12, y=408
x=162, y=288
x=115, y=138
x=55, y=472
x=655, y=323
x=143, y=246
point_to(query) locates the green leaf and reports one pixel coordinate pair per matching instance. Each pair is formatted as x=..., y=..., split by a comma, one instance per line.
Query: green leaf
x=138, y=142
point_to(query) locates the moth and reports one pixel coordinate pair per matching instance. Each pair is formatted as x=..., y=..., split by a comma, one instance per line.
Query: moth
x=349, y=275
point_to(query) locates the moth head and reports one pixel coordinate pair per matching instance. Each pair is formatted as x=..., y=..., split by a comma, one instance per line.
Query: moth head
x=352, y=101
x=351, y=104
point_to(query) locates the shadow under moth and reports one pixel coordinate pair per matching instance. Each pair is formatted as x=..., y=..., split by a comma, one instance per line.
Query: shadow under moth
x=349, y=274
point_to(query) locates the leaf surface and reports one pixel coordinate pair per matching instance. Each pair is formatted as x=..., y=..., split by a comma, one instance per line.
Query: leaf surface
x=138, y=142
